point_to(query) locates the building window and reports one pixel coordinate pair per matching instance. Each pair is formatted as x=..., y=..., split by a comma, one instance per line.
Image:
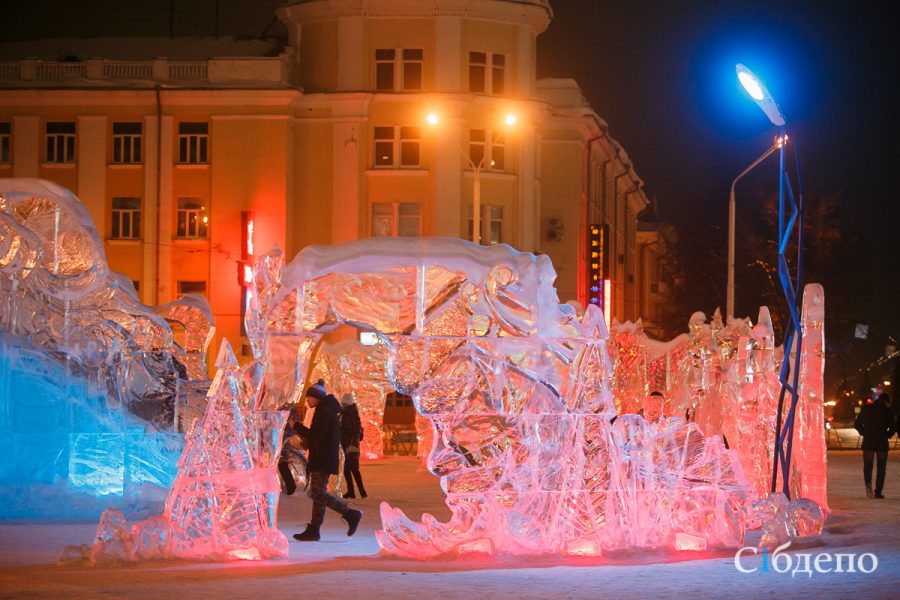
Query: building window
x=5, y=141
x=193, y=142
x=491, y=225
x=487, y=73
x=487, y=149
x=61, y=142
x=127, y=143
x=192, y=218
x=126, y=218
x=403, y=219
x=404, y=74
x=191, y=287
x=397, y=147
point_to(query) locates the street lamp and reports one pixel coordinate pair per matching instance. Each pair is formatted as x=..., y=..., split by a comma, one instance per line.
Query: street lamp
x=510, y=120
x=760, y=94
x=790, y=215
x=729, y=301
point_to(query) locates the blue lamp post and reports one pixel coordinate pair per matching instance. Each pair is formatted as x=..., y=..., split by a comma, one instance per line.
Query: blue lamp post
x=790, y=223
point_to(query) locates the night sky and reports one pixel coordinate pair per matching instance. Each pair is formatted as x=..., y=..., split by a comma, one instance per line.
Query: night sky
x=662, y=75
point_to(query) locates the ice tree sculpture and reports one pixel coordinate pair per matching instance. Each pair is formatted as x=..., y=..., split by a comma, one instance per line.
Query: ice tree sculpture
x=517, y=390
x=629, y=359
x=223, y=503
x=94, y=375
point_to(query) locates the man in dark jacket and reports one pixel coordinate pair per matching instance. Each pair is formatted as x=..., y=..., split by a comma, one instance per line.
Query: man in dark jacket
x=323, y=437
x=876, y=424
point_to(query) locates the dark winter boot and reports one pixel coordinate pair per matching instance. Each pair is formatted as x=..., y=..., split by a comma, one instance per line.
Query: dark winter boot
x=310, y=534
x=353, y=517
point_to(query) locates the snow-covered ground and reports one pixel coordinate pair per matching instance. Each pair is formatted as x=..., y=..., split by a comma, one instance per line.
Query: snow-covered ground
x=342, y=567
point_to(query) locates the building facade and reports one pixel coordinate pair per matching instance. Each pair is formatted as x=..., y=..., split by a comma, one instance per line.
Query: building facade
x=387, y=117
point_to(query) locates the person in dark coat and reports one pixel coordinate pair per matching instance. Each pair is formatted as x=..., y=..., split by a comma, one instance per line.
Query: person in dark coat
x=351, y=438
x=291, y=449
x=322, y=438
x=875, y=423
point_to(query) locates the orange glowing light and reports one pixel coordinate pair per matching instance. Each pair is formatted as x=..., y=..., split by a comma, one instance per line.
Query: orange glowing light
x=607, y=301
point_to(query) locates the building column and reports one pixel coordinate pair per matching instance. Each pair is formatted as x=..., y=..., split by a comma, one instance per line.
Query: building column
x=26, y=148
x=448, y=166
x=346, y=192
x=150, y=213
x=166, y=210
x=351, y=72
x=525, y=75
x=92, y=169
x=448, y=42
x=528, y=235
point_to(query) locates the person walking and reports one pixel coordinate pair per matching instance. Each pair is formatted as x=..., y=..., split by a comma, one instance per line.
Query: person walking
x=875, y=423
x=351, y=438
x=322, y=439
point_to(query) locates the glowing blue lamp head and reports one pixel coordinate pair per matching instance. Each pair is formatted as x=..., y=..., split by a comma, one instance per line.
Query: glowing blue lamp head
x=760, y=94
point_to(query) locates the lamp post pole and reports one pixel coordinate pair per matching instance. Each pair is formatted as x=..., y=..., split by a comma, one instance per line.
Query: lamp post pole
x=790, y=223
x=509, y=121
x=729, y=302
x=476, y=199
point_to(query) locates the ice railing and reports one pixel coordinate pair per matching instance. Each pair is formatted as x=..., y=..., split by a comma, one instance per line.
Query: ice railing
x=94, y=376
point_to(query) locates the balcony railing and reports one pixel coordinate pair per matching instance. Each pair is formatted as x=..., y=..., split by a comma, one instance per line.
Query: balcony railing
x=268, y=70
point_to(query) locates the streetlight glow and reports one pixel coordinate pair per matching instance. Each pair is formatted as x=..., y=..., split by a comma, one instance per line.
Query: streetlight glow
x=760, y=94
x=511, y=119
x=432, y=118
x=751, y=84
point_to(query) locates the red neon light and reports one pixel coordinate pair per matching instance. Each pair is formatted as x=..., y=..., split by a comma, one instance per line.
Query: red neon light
x=250, y=238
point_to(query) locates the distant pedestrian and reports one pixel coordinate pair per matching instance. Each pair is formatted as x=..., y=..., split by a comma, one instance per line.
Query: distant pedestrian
x=322, y=438
x=875, y=423
x=351, y=438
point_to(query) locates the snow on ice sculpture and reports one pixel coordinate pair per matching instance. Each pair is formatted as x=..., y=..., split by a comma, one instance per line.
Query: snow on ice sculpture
x=92, y=373
x=516, y=387
x=223, y=504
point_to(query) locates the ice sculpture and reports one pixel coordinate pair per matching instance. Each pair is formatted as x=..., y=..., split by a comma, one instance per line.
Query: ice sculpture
x=784, y=521
x=724, y=377
x=352, y=368
x=629, y=356
x=517, y=390
x=223, y=503
x=89, y=376
x=810, y=456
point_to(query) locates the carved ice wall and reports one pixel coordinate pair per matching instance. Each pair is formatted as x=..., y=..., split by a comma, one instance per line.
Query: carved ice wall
x=517, y=390
x=88, y=375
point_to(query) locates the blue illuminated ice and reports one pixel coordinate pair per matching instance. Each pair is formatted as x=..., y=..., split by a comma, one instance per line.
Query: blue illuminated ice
x=90, y=378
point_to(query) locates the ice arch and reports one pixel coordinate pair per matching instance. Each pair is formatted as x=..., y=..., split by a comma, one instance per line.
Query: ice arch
x=517, y=390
